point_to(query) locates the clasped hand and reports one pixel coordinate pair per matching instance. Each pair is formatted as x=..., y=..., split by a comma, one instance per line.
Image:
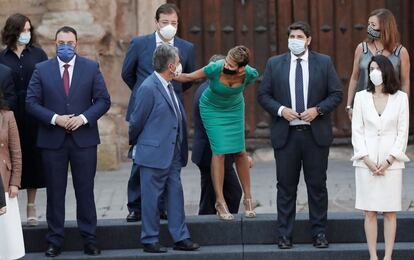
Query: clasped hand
x=308, y=115
x=69, y=122
x=377, y=170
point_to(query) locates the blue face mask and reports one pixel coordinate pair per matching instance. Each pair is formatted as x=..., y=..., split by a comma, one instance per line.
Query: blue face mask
x=65, y=52
x=24, y=38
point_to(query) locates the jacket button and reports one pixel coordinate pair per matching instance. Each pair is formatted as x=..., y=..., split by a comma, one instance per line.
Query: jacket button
x=173, y=143
x=4, y=161
x=1, y=145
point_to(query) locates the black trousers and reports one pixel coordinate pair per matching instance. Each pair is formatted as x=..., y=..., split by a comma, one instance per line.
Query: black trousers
x=301, y=151
x=2, y=195
x=231, y=189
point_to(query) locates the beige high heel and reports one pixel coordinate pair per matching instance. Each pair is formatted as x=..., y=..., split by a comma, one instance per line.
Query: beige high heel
x=31, y=215
x=248, y=209
x=223, y=211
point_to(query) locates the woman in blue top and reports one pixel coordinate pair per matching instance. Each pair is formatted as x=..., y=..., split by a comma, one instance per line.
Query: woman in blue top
x=222, y=113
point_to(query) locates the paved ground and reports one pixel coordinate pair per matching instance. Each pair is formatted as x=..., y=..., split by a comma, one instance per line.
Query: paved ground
x=110, y=188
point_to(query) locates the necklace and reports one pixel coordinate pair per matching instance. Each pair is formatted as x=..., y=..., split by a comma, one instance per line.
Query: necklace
x=377, y=51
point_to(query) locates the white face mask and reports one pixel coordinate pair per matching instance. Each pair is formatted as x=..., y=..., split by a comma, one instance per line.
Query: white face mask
x=178, y=70
x=168, y=32
x=376, y=77
x=296, y=46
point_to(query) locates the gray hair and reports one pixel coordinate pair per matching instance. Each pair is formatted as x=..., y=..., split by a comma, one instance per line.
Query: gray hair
x=163, y=55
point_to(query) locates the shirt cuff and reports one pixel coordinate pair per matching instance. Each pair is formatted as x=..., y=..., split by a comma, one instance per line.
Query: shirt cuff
x=53, y=121
x=85, y=121
x=279, y=112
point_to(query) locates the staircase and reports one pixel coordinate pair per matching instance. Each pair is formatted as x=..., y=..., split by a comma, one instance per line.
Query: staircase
x=252, y=239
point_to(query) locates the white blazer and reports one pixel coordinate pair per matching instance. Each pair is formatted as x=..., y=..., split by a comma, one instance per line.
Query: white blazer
x=380, y=136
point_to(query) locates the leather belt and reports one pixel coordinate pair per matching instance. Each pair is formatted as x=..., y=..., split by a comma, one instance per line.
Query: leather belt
x=300, y=127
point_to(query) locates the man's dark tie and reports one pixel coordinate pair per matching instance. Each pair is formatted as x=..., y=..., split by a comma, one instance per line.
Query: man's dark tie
x=300, y=102
x=66, y=79
x=177, y=111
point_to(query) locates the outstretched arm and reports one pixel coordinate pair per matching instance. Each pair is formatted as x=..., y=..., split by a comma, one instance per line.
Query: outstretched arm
x=186, y=77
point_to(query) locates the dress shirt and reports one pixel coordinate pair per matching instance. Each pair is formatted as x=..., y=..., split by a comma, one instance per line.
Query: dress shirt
x=70, y=70
x=165, y=85
x=305, y=70
x=158, y=40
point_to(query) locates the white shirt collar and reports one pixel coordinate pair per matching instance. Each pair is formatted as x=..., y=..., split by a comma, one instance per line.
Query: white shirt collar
x=158, y=40
x=71, y=62
x=304, y=57
x=163, y=81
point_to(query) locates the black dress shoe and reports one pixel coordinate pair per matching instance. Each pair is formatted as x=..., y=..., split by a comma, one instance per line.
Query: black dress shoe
x=284, y=242
x=52, y=251
x=154, y=248
x=91, y=249
x=186, y=245
x=133, y=216
x=320, y=241
x=163, y=215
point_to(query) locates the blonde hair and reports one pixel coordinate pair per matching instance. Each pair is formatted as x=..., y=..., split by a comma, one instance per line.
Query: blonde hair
x=390, y=36
x=240, y=54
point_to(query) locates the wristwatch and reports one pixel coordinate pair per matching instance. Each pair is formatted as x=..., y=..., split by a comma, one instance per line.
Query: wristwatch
x=348, y=108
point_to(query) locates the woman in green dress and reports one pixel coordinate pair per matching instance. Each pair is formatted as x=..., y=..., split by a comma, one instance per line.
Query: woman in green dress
x=222, y=113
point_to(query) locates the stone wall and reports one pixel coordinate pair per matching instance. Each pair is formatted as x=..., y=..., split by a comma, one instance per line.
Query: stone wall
x=105, y=29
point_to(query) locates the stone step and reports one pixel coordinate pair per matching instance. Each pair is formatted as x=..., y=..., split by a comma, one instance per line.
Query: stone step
x=209, y=230
x=343, y=251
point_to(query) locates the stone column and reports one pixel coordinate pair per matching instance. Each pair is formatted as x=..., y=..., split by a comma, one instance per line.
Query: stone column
x=77, y=14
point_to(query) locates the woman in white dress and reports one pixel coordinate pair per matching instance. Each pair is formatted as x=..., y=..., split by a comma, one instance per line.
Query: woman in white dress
x=379, y=135
x=11, y=235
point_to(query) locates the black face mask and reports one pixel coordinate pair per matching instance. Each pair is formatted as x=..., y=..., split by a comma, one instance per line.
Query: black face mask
x=229, y=72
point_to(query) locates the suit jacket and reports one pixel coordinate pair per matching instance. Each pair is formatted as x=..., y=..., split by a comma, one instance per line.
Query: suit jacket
x=10, y=152
x=7, y=87
x=380, y=136
x=153, y=126
x=87, y=95
x=138, y=65
x=201, y=152
x=324, y=91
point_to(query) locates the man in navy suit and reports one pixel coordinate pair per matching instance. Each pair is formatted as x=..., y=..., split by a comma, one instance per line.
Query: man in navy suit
x=300, y=89
x=68, y=95
x=157, y=128
x=138, y=66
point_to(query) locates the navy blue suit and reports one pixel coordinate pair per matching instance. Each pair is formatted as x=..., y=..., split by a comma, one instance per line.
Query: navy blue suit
x=153, y=127
x=201, y=156
x=136, y=68
x=88, y=96
x=307, y=146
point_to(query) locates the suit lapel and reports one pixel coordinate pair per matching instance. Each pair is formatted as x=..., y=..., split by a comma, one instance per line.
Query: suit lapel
x=285, y=78
x=312, y=74
x=55, y=74
x=163, y=92
x=77, y=75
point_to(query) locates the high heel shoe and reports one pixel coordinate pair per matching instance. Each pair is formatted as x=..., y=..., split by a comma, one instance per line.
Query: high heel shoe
x=31, y=215
x=248, y=209
x=223, y=211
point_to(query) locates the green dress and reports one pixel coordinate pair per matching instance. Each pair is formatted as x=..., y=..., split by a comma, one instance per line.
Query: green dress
x=222, y=110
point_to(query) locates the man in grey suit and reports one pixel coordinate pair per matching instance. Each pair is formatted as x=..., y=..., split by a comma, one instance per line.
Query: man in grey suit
x=299, y=89
x=157, y=128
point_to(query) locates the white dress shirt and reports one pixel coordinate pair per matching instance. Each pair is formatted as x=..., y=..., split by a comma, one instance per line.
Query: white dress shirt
x=292, y=76
x=165, y=85
x=158, y=40
x=70, y=70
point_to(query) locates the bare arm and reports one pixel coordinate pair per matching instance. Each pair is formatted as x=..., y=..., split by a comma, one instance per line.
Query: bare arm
x=354, y=76
x=186, y=77
x=405, y=71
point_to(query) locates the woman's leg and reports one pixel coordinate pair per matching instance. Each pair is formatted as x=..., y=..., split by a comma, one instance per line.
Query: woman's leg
x=243, y=171
x=31, y=207
x=390, y=227
x=371, y=230
x=31, y=196
x=217, y=176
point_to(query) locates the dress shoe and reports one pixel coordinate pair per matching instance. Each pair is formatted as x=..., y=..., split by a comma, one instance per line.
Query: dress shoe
x=163, y=215
x=52, y=251
x=186, y=245
x=320, y=241
x=133, y=216
x=284, y=242
x=91, y=249
x=154, y=248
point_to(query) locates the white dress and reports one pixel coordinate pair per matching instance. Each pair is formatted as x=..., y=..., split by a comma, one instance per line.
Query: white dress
x=11, y=234
x=379, y=136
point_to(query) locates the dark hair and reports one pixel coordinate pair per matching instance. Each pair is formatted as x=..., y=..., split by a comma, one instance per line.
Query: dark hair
x=300, y=25
x=390, y=80
x=166, y=9
x=240, y=54
x=67, y=29
x=12, y=29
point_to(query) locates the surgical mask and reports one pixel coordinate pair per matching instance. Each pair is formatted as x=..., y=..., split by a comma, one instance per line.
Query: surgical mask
x=373, y=33
x=376, y=77
x=178, y=70
x=168, y=32
x=228, y=71
x=65, y=52
x=296, y=46
x=24, y=38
